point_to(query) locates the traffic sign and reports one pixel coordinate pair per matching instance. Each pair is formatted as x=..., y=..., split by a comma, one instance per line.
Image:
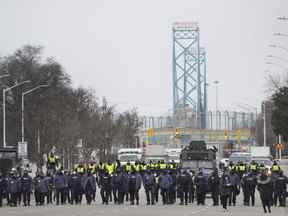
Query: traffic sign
x=22, y=150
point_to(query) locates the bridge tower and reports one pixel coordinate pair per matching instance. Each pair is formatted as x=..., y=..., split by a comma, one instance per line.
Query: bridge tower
x=189, y=72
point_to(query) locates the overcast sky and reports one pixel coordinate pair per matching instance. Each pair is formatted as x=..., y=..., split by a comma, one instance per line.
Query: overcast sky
x=123, y=48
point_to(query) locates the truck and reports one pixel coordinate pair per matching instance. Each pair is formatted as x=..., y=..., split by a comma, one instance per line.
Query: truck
x=130, y=155
x=197, y=156
x=261, y=155
x=8, y=159
x=260, y=152
x=155, y=153
x=173, y=154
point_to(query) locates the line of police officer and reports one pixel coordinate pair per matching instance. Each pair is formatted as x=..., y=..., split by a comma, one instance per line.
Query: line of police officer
x=124, y=182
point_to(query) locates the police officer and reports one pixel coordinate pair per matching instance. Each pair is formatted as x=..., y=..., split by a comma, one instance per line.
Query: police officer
x=128, y=167
x=13, y=188
x=3, y=185
x=26, y=187
x=41, y=188
x=51, y=162
x=134, y=185
x=275, y=169
x=265, y=186
x=192, y=188
x=149, y=183
x=165, y=182
x=75, y=188
x=213, y=182
x=254, y=167
x=118, y=184
x=173, y=187
x=225, y=189
x=49, y=181
x=183, y=186
x=201, y=186
x=60, y=184
x=66, y=188
x=80, y=169
x=249, y=182
x=235, y=187
x=280, y=188
x=89, y=186
x=105, y=185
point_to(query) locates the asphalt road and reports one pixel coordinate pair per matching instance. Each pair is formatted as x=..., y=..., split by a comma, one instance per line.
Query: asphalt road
x=97, y=209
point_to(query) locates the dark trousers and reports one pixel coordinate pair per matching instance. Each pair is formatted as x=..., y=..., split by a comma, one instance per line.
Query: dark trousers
x=105, y=195
x=115, y=195
x=191, y=195
x=1, y=198
x=224, y=200
x=265, y=199
x=164, y=194
x=49, y=196
x=75, y=196
x=249, y=194
x=201, y=198
x=281, y=196
x=89, y=196
x=156, y=194
x=60, y=194
x=26, y=197
x=150, y=196
x=233, y=195
x=172, y=195
x=120, y=196
x=39, y=198
x=134, y=195
x=215, y=197
x=66, y=195
x=13, y=199
x=183, y=195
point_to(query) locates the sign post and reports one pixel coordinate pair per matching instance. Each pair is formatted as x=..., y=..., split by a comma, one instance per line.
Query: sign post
x=22, y=150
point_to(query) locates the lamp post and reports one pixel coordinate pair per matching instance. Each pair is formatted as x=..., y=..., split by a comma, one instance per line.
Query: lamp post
x=4, y=108
x=216, y=82
x=22, y=108
x=264, y=124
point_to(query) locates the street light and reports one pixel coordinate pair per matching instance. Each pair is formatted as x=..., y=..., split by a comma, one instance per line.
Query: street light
x=216, y=82
x=4, y=108
x=264, y=124
x=22, y=110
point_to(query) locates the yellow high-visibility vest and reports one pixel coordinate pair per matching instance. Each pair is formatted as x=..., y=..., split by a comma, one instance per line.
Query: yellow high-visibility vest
x=162, y=166
x=80, y=170
x=242, y=168
x=128, y=168
x=275, y=168
x=51, y=159
x=253, y=167
x=137, y=168
x=110, y=169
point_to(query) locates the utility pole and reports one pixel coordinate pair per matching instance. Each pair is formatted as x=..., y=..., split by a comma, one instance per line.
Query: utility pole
x=264, y=124
x=4, y=108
